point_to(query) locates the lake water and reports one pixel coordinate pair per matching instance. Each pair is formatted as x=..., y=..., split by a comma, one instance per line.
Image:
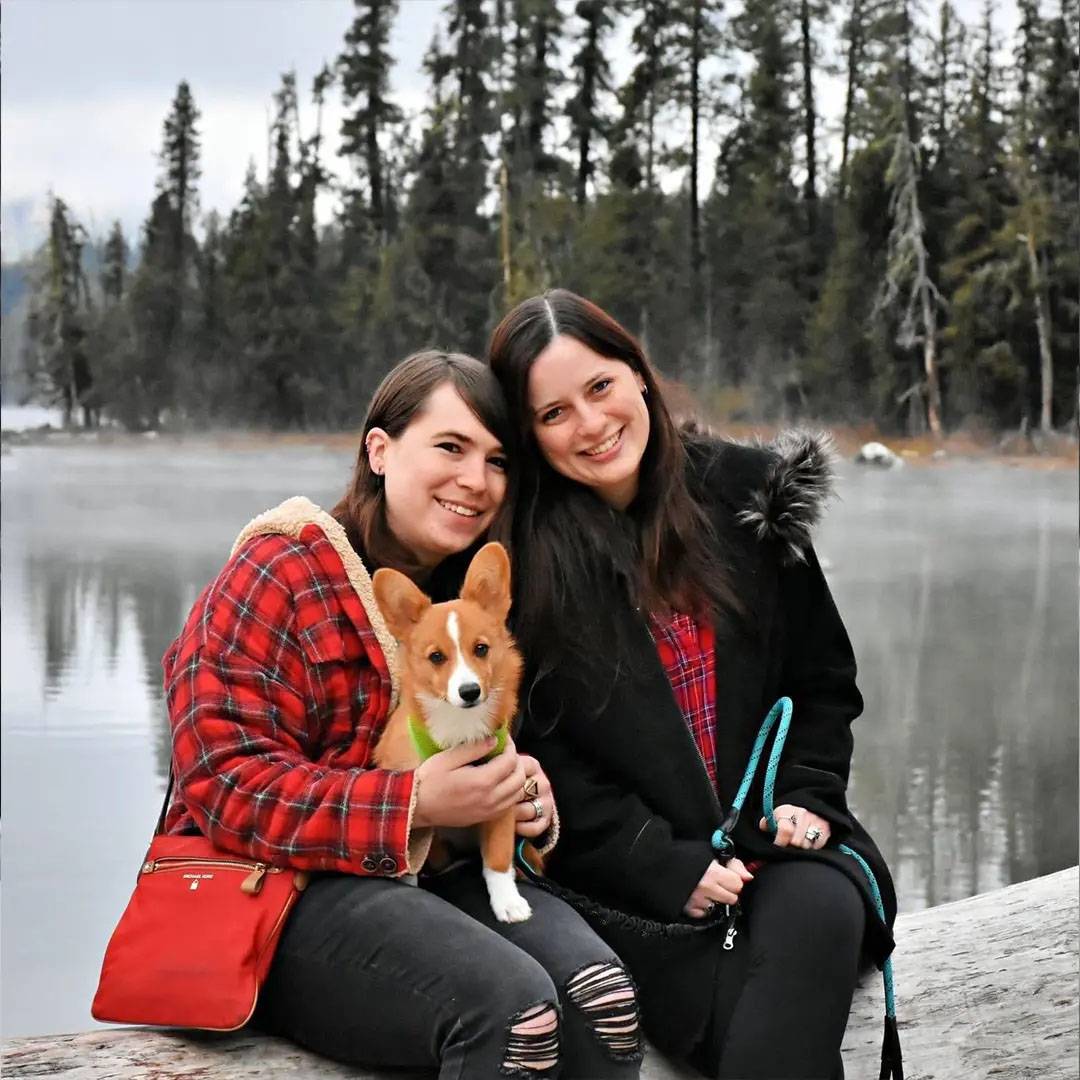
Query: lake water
x=958, y=584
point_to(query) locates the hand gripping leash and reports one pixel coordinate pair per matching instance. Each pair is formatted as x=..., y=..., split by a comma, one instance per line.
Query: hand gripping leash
x=892, y=1064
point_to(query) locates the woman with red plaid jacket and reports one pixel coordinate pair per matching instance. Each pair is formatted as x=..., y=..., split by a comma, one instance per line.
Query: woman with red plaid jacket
x=278, y=688
x=666, y=595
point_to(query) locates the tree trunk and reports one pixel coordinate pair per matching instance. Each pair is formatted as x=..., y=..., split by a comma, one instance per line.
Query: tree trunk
x=583, y=166
x=374, y=160
x=1042, y=323
x=854, y=56
x=504, y=231
x=651, y=135
x=809, y=118
x=538, y=104
x=930, y=363
x=695, y=120
x=588, y=104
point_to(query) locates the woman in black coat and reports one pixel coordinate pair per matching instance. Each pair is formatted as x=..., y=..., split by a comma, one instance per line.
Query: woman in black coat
x=667, y=594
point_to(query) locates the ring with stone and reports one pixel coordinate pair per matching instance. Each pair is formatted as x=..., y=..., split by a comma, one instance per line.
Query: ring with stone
x=531, y=788
x=538, y=809
x=813, y=834
x=794, y=819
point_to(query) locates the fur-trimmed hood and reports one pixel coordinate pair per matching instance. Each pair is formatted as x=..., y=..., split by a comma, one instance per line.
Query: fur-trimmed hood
x=778, y=490
x=790, y=498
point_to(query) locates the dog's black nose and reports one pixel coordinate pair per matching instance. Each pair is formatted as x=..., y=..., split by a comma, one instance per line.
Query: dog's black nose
x=470, y=692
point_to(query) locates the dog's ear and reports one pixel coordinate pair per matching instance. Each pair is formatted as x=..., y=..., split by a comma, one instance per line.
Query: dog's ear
x=487, y=582
x=400, y=601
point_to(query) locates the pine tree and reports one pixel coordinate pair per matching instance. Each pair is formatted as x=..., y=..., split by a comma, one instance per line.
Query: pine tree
x=164, y=282
x=645, y=94
x=696, y=37
x=364, y=67
x=812, y=16
x=946, y=81
x=180, y=173
x=114, y=270
x=592, y=75
x=109, y=342
x=56, y=357
x=987, y=353
x=1059, y=165
x=445, y=263
x=908, y=285
x=527, y=34
x=277, y=307
x=759, y=253
x=854, y=34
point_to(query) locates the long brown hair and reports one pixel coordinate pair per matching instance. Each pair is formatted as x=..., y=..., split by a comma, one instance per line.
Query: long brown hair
x=671, y=560
x=400, y=397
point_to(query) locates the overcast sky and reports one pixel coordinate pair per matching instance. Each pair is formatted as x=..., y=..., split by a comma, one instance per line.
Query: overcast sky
x=86, y=85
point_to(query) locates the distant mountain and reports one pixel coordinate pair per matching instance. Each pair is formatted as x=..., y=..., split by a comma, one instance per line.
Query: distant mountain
x=14, y=284
x=24, y=226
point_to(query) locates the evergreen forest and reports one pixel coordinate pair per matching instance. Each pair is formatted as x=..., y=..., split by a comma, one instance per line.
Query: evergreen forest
x=913, y=261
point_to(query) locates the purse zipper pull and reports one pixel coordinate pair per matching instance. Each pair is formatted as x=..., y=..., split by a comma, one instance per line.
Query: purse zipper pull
x=729, y=937
x=253, y=882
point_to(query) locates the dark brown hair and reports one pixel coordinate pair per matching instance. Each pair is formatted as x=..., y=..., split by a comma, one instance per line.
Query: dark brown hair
x=670, y=561
x=399, y=398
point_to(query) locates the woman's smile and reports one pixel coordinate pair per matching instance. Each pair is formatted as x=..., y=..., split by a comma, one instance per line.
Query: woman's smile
x=459, y=509
x=604, y=451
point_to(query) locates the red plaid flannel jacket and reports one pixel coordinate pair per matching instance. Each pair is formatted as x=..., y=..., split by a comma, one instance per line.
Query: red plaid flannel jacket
x=277, y=692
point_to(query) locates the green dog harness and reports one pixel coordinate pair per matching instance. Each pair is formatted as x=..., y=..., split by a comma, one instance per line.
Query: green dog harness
x=425, y=746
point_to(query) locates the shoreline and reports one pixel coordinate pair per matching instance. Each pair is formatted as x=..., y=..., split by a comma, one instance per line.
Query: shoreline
x=1033, y=451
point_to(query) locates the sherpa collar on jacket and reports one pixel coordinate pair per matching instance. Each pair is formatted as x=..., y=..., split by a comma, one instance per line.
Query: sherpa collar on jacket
x=290, y=518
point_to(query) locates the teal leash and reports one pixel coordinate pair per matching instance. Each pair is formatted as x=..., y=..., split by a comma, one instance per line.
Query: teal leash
x=892, y=1065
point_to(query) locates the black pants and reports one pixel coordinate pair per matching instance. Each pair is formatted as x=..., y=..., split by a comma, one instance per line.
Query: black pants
x=784, y=992
x=374, y=972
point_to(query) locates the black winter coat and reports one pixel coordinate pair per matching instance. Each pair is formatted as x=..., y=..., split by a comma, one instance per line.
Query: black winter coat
x=635, y=802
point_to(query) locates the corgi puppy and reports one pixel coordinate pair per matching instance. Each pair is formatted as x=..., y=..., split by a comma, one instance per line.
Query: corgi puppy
x=460, y=672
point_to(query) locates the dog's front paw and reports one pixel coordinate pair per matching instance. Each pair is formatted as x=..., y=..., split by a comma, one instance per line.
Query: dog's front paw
x=515, y=909
x=507, y=903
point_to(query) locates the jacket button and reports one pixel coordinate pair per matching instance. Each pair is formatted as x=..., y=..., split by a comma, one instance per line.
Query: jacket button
x=369, y=864
x=387, y=865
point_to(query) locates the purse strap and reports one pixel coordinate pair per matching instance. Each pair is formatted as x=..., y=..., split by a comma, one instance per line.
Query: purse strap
x=159, y=828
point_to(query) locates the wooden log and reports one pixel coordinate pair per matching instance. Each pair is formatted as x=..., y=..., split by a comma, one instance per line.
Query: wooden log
x=985, y=987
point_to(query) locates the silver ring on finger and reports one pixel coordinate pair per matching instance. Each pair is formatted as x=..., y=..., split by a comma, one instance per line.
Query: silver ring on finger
x=538, y=809
x=710, y=907
x=794, y=819
x=813, y=834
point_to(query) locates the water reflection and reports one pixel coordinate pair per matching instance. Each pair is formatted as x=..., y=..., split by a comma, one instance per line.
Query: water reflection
x=957, y=585
x=966, y=629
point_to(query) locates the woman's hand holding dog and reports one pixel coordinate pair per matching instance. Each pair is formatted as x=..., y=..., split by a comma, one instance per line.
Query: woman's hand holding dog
x=456, y=793
x=529, y=823
x=719, y=885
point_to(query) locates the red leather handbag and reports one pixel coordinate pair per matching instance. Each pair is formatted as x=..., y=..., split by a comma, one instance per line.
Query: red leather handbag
x=197, y=937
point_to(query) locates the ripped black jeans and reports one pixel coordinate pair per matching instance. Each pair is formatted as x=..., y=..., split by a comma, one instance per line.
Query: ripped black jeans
x=373, y=972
